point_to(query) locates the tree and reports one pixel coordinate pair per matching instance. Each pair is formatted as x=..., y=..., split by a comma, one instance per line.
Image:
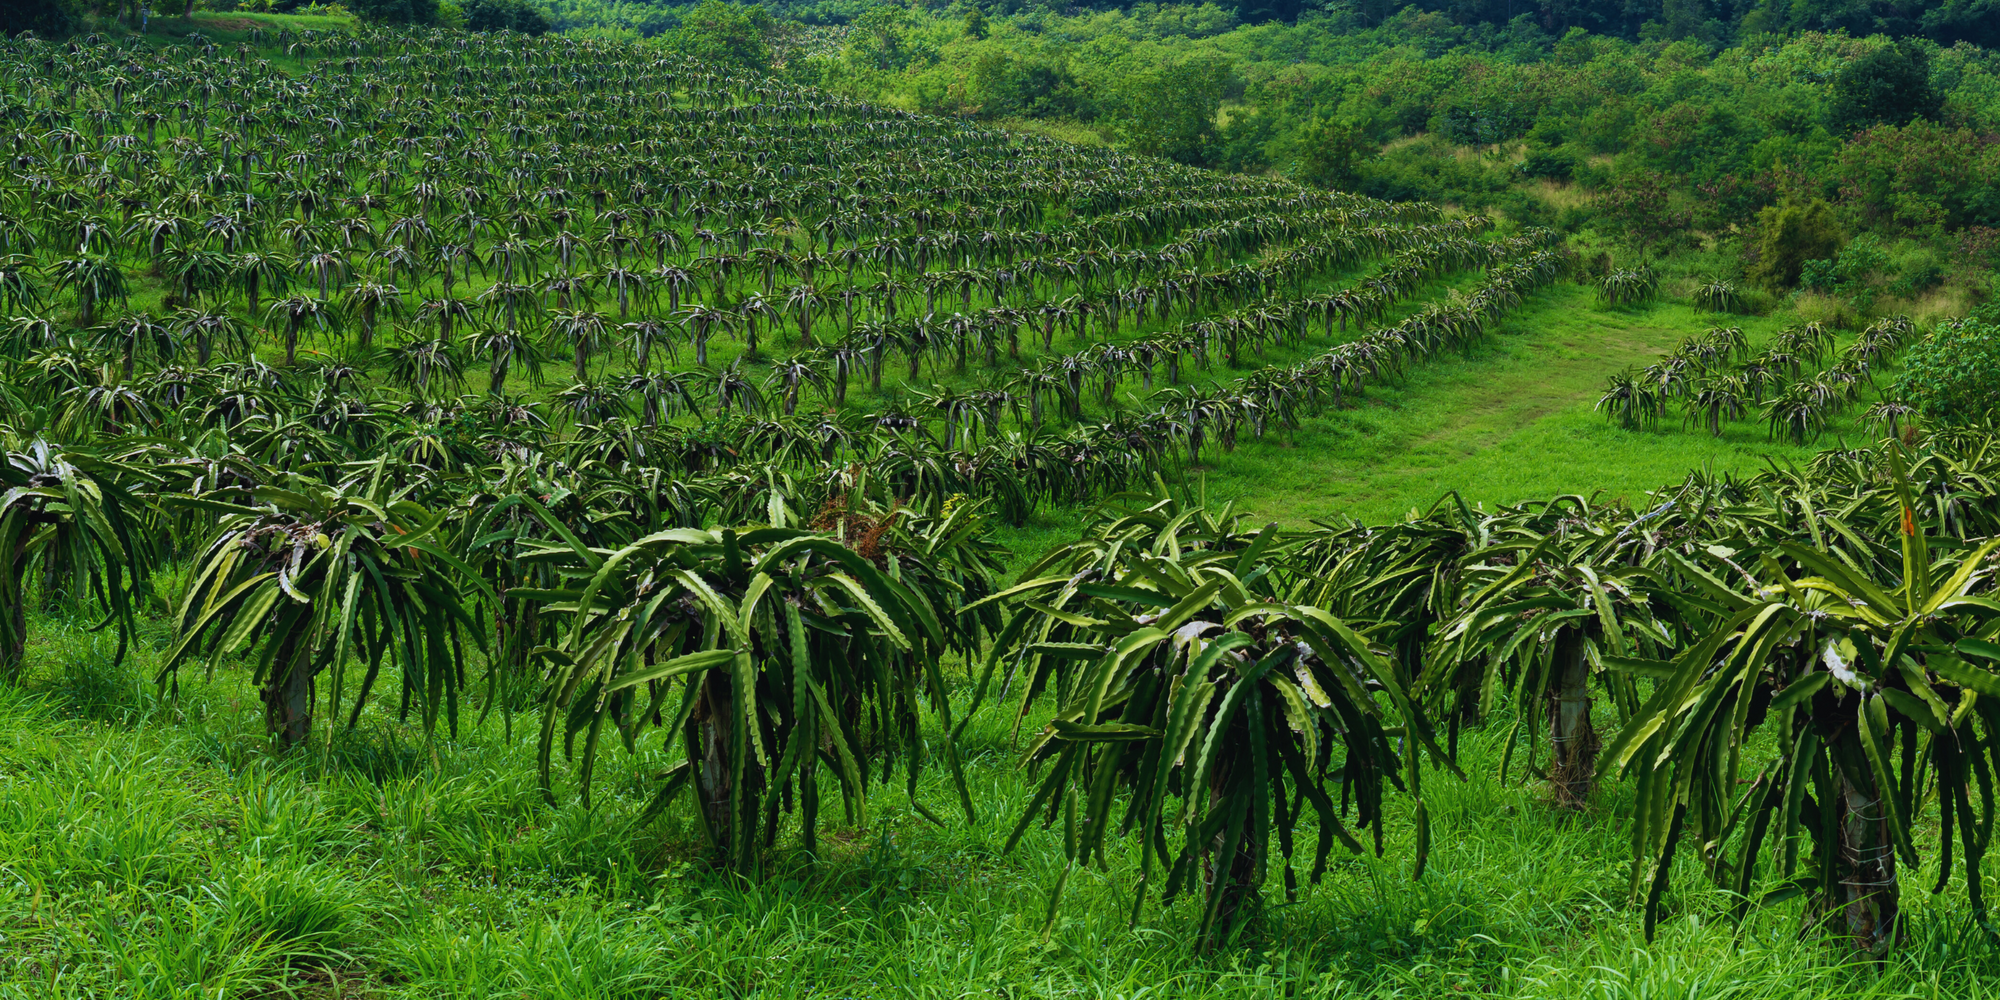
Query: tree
x=331, y=579
x=74, y=521
x=1888, y=86
x=1875, y=684
x=46, y=18
x=1787, y=237
x=503, y=15
x=396, y=11
x=1170, y=111
x=1643, y=210
x=727, y=34
x=879, y=38
x=1331, y=153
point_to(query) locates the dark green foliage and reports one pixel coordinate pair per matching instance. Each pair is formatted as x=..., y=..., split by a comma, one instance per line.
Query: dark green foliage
x=1558, y=163
x=46, y=18
x=1790, y=236
x=395, y=11
x=1171, y=110
x=1953, y=374
x=1889, y=86
x=725, y=33
x=503, y=15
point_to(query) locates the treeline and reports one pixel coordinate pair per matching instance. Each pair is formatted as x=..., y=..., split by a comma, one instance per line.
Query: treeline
x=1749, y=161
x=1716, y=22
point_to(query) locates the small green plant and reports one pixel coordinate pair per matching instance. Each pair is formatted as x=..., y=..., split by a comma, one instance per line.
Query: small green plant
x=1717, y=295
x=1629, y=286
x=1632, y=400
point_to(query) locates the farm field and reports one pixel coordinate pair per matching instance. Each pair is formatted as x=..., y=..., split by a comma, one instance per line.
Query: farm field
x=1516, y=420
x=395, y=867
x=505, y=516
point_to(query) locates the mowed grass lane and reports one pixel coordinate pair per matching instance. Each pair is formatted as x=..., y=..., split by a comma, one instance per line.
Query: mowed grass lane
x=1509, y=421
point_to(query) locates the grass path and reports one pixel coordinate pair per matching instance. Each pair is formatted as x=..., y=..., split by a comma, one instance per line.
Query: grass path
x=1512, y=420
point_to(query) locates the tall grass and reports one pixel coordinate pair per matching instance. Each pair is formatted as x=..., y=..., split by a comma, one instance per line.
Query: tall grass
x=169, y=853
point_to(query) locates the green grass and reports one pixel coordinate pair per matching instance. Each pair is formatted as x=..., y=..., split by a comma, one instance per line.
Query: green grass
x=156, y=847
x=1511, y=421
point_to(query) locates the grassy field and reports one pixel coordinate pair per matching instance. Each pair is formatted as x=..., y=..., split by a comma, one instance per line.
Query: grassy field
x=156, y=848
x=1511, y=421
x=153, y=844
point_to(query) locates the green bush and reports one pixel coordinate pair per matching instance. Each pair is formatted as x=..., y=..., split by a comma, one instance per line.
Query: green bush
x=395, y=11
x=46, y=18
x=1953, y=374
x=503, y=15
x=1788, y=237
x=1850, y=273
x=1558, y=163
x=1889, y=86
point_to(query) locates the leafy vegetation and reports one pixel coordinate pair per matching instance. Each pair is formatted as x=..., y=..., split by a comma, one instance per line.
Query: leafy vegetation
x=770, y=374
x=1949, y=374
x=1717, y=379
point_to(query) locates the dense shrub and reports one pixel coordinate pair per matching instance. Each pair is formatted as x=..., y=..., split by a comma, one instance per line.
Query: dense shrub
x=1558, y=163
x=503, y=15
x=1790, y=236
x=46, y=18
x=1953, y=374
x=395, y=11
x=1889, y=86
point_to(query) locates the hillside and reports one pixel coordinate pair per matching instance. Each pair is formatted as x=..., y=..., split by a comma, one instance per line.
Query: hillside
x=691, y=258
x=496, y=515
